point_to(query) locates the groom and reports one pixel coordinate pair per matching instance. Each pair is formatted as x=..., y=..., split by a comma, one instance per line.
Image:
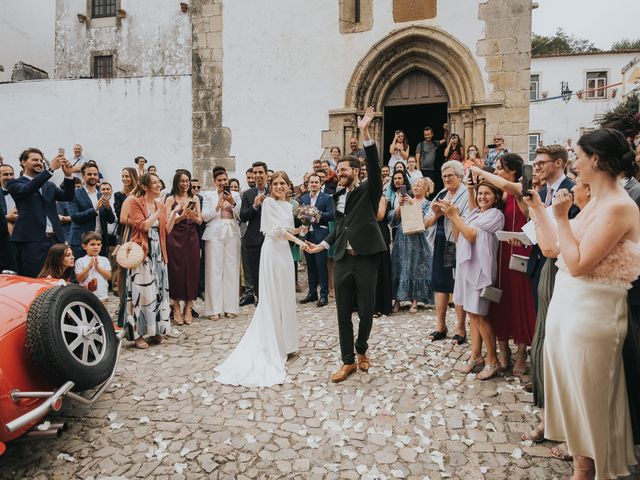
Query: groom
x=358, y=242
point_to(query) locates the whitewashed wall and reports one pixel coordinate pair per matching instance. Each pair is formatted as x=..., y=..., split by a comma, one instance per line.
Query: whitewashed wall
x=556, y=120
x=285, y=69
x=26, y=33
x=153, y=39
x=115, y=120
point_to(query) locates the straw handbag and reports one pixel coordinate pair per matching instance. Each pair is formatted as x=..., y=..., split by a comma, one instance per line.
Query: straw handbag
x=129, y=254
x=412, y=219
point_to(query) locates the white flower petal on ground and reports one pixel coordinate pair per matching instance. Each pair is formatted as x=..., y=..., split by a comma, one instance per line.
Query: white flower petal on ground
x=313, y=441
x=179, y=467
x=66, y=457
x=517, y=453
x=251, y=416
x=362, y=469
x=347, y=452
x=438, y=458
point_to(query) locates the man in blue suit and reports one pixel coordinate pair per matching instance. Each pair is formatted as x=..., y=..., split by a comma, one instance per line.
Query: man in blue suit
x=549, y=164
x=317, y=264
x=89, y=212
x=38, y=226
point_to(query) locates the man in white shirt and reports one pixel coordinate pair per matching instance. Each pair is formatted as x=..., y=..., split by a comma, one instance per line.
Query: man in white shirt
x=89, y=211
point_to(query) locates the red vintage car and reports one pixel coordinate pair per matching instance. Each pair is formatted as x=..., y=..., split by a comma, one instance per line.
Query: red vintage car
x=56, y=341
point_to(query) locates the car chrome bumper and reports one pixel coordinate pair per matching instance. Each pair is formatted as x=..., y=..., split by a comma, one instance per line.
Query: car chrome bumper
x=53, y=399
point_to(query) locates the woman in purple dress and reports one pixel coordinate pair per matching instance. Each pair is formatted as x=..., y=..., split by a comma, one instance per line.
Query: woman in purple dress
x=183, y=247
x=476, y=267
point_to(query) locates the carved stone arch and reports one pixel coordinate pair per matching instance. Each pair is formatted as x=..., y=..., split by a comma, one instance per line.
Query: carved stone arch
x=425, y=48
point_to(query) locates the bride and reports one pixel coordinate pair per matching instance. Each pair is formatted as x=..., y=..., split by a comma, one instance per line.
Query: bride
x=259, y=358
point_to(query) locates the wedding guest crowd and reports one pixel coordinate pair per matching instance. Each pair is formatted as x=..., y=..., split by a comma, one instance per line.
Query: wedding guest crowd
x=537, y=257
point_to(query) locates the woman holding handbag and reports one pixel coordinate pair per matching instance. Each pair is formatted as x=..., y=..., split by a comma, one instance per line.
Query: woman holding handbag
x=411, y=256
x=515, y=315
x=148, y=283
x=476, y=268
x=444, y=260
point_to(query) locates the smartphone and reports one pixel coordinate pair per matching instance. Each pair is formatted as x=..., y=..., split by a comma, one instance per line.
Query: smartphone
x=402, y=190
x=227, y=189
x=191, y=205
x=470, y=178
x=61, y=151
x=492, y=145
x=527, y=180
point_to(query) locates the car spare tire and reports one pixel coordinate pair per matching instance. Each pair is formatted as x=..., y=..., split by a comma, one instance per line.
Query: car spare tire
x=70, y=336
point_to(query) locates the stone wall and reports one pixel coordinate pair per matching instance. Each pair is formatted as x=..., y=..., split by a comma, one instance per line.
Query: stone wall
x=211, y=141
x=506, y=49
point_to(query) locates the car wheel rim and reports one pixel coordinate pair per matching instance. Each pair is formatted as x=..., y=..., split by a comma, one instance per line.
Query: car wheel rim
x=83, y=333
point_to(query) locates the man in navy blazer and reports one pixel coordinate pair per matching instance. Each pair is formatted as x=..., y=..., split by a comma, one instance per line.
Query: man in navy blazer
x=89, y=212
x=549, y=165
x=317, y=263
x=38, y=226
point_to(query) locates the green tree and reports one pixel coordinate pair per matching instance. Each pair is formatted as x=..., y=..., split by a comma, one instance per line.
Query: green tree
x=560, y=42
x=626, y=44
x=624, y=117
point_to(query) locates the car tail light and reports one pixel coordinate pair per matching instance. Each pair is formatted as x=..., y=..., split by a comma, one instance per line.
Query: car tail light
x=56, y=405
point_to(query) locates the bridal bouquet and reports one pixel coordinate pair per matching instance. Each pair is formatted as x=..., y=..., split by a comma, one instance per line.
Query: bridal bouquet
x=307, y=215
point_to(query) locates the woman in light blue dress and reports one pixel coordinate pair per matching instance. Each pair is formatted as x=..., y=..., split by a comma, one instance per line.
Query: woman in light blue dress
x=411, y=257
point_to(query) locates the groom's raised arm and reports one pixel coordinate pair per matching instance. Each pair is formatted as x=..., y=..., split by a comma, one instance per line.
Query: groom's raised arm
x=373, y=164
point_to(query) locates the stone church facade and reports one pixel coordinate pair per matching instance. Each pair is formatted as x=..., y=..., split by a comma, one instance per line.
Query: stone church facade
x=284, y=81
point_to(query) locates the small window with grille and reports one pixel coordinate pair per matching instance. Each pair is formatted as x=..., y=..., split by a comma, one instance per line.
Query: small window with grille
x=103, y=8
x=103, y=66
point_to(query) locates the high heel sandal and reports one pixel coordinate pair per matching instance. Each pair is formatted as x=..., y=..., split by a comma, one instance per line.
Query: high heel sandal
x=177, y=316
x=473, y=366
x=504, y=366
x=561, y=452
x=519, y=372
x=489, y=371
x=436, y=335
x=536, y=435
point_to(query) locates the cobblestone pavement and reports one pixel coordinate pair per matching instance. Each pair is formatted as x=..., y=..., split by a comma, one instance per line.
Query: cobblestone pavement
x=412, y=416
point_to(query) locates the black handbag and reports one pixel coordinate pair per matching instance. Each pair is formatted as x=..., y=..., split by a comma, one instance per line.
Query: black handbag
x=449, y=257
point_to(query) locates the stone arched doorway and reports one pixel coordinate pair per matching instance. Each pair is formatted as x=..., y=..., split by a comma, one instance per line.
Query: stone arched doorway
x=426, y=49
x=413, y=102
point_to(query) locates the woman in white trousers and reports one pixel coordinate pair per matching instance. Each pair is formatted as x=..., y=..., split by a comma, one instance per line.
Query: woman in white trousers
x=221, y=211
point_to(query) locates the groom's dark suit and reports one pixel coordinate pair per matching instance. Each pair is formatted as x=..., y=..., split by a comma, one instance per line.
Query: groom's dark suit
x=358, y=242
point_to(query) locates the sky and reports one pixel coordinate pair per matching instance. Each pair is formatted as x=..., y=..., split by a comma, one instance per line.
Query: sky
x=600, y=22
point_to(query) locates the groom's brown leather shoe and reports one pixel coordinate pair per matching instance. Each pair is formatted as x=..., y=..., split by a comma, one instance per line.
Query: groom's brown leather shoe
x=342, y=374
x=363, y=362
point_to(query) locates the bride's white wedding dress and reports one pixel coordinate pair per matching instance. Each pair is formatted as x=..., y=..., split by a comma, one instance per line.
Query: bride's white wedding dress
x=259, y=359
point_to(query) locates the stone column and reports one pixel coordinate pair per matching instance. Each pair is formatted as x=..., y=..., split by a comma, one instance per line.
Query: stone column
x=468, y=133
x=479, y=128
x=211, y=141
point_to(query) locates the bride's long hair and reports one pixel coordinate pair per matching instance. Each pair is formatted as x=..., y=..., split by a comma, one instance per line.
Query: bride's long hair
x=282, y=174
